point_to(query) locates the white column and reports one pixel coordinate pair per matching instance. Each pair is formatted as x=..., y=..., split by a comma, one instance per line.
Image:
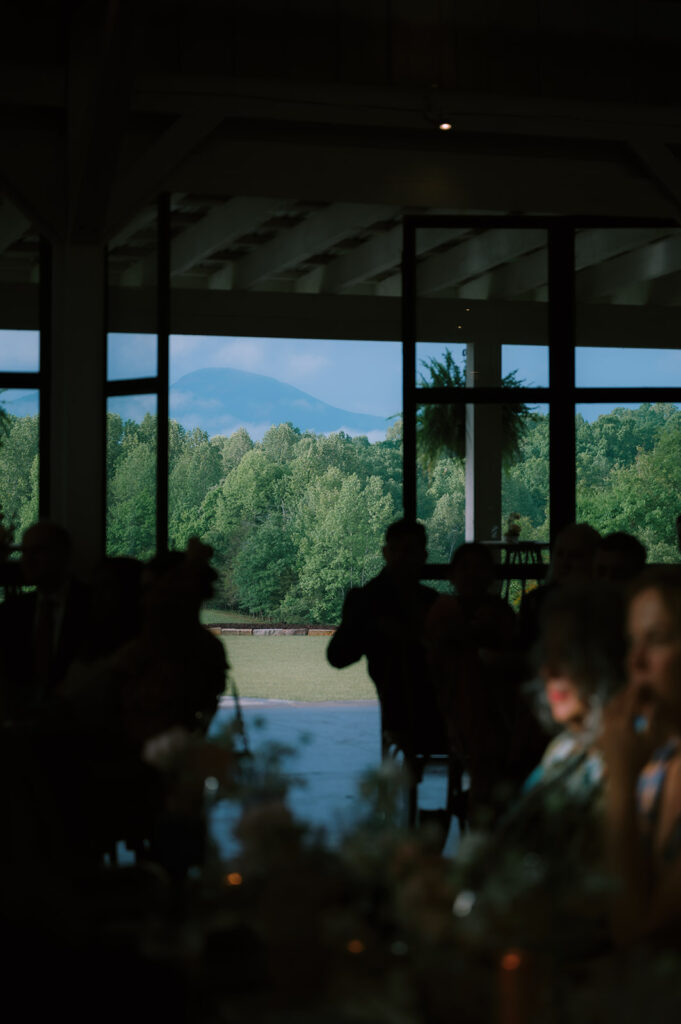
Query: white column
x=483, y=444
x=77, y=450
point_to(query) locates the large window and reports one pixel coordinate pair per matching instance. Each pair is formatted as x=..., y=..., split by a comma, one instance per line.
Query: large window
x=526, y=337
x=285, y=456
x=480, y=446
x=137, y=387
x=24, y=494
x=589, y=321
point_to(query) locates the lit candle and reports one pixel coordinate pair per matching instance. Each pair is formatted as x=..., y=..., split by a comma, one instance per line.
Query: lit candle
x=513, y=994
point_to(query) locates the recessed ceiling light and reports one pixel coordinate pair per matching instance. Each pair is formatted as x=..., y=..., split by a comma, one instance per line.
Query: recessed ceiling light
x=445, y=126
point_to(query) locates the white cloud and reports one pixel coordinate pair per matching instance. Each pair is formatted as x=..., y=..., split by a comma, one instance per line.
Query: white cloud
x=190, y=352
x=307, y=364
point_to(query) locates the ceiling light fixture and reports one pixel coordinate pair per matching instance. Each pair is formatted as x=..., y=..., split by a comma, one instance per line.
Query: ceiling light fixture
x=435, y=110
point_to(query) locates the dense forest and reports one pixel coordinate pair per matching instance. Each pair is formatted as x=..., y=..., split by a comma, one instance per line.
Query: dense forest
x=297, y=518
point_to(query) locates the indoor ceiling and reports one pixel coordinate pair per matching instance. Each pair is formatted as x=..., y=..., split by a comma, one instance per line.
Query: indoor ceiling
x=294, y=138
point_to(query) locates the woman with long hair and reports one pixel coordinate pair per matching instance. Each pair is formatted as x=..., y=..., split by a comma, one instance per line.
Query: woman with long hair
x=641, y=744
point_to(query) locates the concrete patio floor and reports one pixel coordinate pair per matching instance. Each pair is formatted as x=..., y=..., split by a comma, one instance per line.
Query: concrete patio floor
x=335, y=745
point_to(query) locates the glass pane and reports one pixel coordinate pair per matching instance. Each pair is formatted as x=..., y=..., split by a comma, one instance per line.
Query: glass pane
x=19, y=460
x=628, y=367
x=629, y=473
x=506, y=488
x=529, y=364
x=524, y=365
x=628, y=320
x=132, y=299
x=285, y=456
x=19, y=351
x=483, y=294
x=131, y=475
x=129, y=356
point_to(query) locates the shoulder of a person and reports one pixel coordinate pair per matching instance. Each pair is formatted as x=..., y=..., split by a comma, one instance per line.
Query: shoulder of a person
x=429, y=593
x=18, y=608
x=444, y=605
x=498, y=603
x=212, y=645
x=77, y=596
x=356, y=595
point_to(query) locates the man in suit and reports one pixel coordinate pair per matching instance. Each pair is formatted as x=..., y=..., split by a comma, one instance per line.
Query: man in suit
x=384, y=620
x=41, y=631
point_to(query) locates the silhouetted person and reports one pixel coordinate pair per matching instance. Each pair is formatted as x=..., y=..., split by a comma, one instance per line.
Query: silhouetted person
x=41, y=631
x=173, y=672
x=572, y=561
x=619, y=558
x=470, y=636
x=384, y=620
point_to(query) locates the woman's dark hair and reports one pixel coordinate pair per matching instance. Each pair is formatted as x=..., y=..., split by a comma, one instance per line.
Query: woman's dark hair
x=472, y=547
x=582, y=636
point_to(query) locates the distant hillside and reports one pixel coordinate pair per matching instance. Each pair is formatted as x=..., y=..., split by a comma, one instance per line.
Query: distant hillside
x=220, y=400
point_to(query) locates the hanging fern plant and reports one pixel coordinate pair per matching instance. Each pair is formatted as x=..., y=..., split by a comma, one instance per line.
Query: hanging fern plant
x=442, y=428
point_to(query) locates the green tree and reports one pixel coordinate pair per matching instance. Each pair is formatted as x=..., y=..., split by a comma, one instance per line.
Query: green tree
x=339, y=534
x=525, y=483
x=445, y=525
x=264, y=567
x=233, y=448
x=643, y=497
x=197, y=468
x=18, y=471
x=131, y=527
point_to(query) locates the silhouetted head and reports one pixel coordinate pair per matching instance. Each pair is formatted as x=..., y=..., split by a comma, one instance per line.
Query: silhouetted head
x=573, y=553
x=175, y=583
x=115, y=594
x=472, y=569
x=405, y=549
x=619, y=557
x=46, y=555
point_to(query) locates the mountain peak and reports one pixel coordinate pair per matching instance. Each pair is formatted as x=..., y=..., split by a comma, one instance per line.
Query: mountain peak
x=222, y=399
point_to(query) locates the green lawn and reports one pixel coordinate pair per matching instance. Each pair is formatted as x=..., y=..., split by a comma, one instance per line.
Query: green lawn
x=214, y=615
x=293, y=668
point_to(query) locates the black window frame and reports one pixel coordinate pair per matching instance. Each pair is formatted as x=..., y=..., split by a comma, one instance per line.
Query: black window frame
x=561, y=396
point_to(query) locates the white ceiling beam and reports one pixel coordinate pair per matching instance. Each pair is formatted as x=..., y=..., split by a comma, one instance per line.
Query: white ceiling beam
x=646, y=263
x=137, y=223
x=527, y=273
x=314, y=235
x=219, y=228
x=380, y=253
x=147, y=177
x=469, y=259
x=222, y=226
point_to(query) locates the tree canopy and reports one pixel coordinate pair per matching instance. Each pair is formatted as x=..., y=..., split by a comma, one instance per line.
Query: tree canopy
x=298, y=518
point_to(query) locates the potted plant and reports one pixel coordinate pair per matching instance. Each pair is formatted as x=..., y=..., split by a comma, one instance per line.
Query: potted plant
x=441, y=429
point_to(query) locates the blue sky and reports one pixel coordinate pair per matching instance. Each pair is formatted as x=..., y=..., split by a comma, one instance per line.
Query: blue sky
x=355, y=375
